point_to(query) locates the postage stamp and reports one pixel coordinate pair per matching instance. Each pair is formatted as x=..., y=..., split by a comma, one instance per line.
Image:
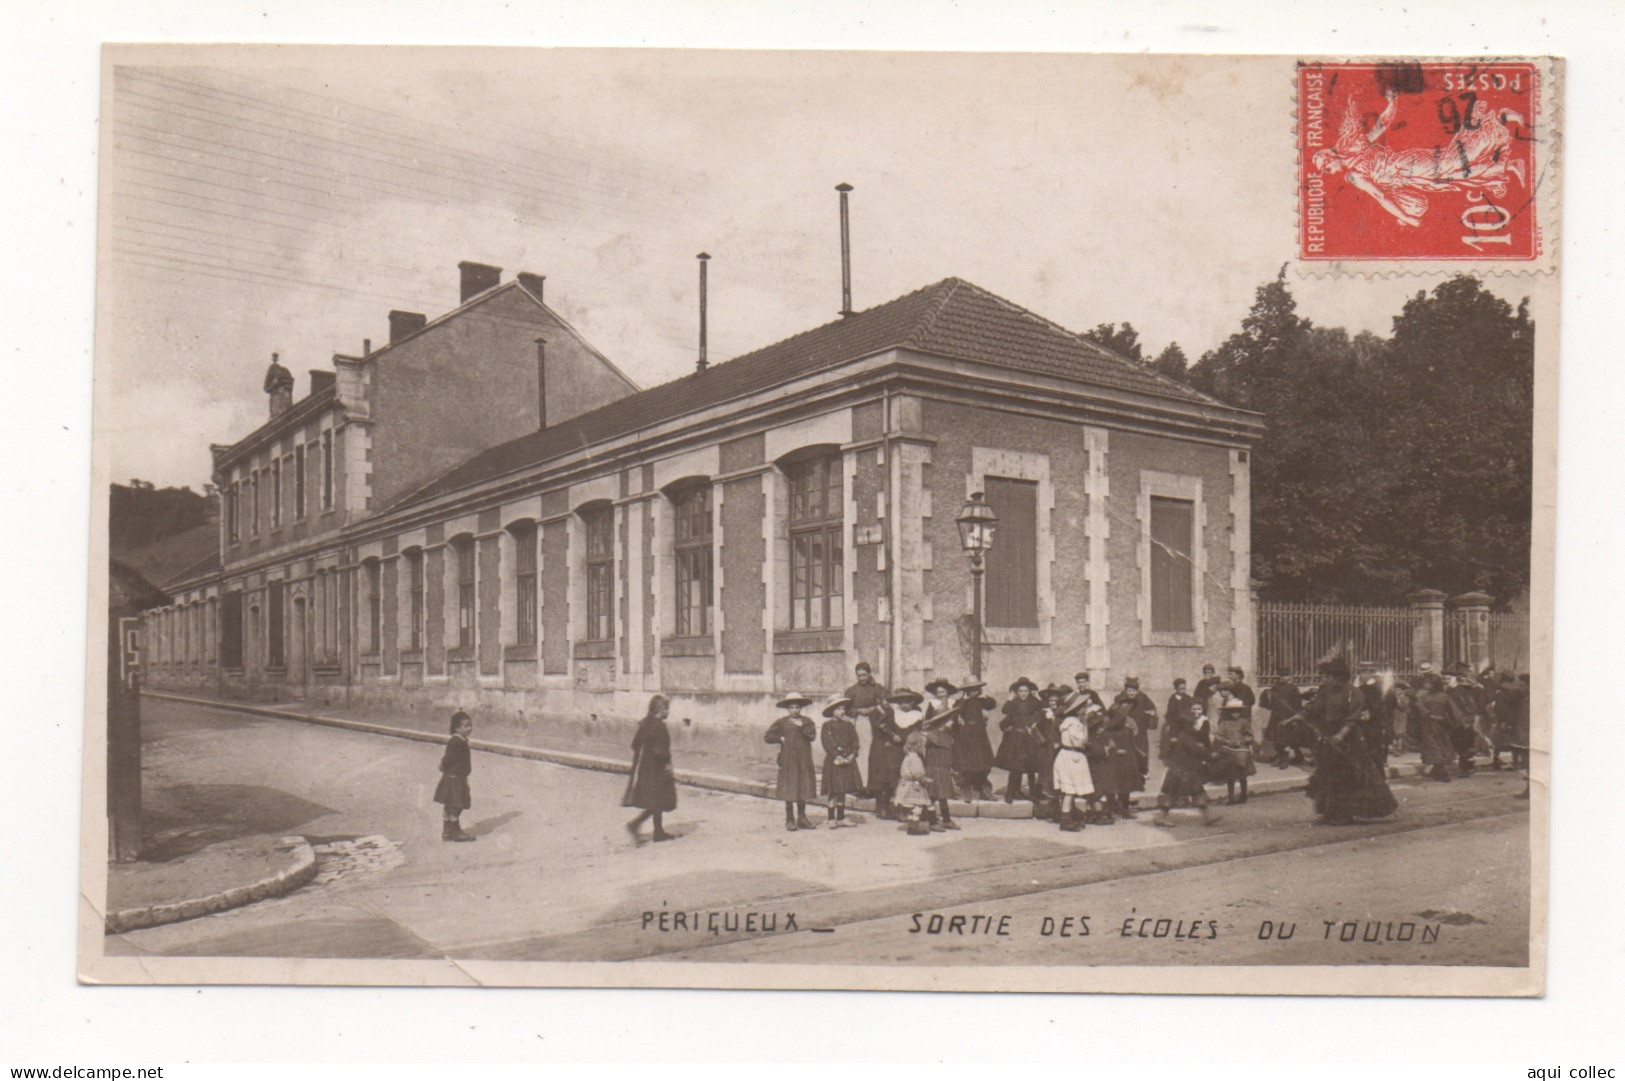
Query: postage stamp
x=1427, y=161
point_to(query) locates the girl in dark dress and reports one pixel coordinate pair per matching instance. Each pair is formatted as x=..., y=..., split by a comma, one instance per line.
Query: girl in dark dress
x=452, y=791
x=841, y=778
x=1120, y=773
x=1053, y=698
x=651, y=786
x=798, y=782
x=1185, y=753
x=973, y=753
x=1019, y=748
x=940, y=736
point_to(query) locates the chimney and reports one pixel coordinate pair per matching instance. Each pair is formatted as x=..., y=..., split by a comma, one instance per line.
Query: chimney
x=533, y=282
x=541, y=382
x=405, y=324
x=703, y=362
x=846, y=255
x=279, y=385
x=366, y=347
x=477, y=278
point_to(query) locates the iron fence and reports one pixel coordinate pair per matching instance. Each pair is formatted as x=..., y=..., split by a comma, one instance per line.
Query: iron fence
x=1295, y=639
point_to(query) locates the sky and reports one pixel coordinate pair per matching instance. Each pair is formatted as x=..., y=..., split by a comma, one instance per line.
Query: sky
x=277, y=199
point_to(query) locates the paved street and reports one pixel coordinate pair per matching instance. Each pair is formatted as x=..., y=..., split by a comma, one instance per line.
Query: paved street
x=554, y=875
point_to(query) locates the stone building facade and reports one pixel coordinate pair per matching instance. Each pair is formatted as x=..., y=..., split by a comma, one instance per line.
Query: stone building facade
x=752, y=528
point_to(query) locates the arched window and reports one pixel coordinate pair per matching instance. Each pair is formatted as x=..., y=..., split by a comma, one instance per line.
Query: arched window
x=691, y=549
x=524, y=571
x=373, y=603
x=463, y=550
x=414, y=598
x=598, y=522
x=816, y=571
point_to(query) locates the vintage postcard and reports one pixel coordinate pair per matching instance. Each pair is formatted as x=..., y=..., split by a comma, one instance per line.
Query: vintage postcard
x=857, y=520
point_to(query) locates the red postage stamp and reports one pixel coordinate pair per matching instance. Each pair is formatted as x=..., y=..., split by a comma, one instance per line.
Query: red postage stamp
x=1418, y=161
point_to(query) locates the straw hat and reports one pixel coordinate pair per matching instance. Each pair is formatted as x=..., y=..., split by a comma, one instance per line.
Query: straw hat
x=794, y=701
x=836, y=703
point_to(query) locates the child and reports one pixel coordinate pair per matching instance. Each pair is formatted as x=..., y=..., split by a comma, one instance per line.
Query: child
x=841, y=777
x=1073, y=777
x=1054, y=698
x=1120, y=769
x=973, y=754
x=1018, y=748
x=452, y=791
x=1186, y=759
x=652, y=786
x=939, y=750
x=1235, y=737
x=912, y=797
x=798, y=782
x=1094, y=723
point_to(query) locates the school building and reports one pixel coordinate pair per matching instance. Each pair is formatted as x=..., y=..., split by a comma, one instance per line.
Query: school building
x=487, y=513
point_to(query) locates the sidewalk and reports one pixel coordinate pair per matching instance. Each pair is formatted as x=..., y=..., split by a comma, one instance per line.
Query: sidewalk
x=227, y=874
x=721, y=772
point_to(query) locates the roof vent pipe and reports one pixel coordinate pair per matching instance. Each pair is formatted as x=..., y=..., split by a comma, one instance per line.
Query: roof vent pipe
x=846, y=254
x=541, y=382
x=703, y=362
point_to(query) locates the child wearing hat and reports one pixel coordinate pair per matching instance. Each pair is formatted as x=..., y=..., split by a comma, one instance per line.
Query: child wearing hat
x=1018, y=747
x=798, y=783
x=1073, y=778
x=1186, y=757
x=452, y=791
x=841, y=777
x=973, y=754
x=1054, y=700
x=941, y=723
x=1119, y=772
x=912, y=798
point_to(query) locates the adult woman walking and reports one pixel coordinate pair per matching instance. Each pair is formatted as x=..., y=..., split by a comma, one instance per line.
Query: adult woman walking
x=1436, y=718
x=651, y=786
x=1347, y=783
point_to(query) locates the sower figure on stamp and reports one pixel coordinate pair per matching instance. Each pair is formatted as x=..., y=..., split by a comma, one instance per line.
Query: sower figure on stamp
x=1347, y=784
x=652, y=785
x=840, y=741
x=798, y=781
x=973, y=753
x=1018, y=746
x=452, y=791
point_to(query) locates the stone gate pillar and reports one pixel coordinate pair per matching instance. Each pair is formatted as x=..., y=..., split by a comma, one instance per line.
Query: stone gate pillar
x=1427, y=637
x=1475, y=610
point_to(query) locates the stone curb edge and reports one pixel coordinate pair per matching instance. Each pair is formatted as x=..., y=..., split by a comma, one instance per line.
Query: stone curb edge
x=290, y=878
x=1262, y=786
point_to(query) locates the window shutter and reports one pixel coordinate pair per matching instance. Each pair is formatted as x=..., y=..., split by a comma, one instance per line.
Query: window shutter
x=1173, y=531
x=1012, y=565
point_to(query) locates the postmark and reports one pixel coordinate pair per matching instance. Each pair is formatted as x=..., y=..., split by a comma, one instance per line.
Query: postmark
x=1421, y=162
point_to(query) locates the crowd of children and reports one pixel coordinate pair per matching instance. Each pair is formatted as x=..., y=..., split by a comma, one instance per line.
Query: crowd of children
x=1078, y=759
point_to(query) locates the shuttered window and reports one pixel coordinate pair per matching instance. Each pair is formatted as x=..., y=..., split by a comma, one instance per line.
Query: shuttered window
x=231, y=630
x=1012, y=565
x=275, y=622
x=1173, y=569
x=600, y=529
x=464, y=549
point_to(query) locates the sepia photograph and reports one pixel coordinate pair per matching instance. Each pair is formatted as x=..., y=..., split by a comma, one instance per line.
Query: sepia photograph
x=822, y=520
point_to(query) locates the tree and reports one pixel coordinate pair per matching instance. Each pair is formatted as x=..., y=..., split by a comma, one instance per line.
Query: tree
x=1124, y=340
x=141, y=513
x=1173, y=363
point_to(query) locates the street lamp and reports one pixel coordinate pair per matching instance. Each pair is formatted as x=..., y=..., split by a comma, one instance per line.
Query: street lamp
x=976, y=521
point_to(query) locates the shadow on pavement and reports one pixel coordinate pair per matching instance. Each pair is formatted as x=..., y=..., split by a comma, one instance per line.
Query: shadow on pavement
x=181, y=819
x=492, y=824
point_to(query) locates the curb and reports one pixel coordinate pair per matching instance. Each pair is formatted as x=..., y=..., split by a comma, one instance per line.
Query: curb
x=290, y=878
x=716, y=782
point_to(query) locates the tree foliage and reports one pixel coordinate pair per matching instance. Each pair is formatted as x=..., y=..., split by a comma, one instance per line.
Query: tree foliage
x=1123, y=340
x=140, y=514
x=1387, y=465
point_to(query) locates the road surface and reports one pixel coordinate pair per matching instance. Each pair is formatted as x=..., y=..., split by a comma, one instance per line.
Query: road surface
x=554, y=875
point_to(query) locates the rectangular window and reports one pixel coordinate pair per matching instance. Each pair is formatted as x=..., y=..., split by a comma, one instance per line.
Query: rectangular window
x=254, y=504
x=371, y=582
x=1173, y=568
x=230, y=496
x=231, y=630
x=276, y=493
x=275, y=652
x=464, y=547
x=414, y=607
x=816, y=577
x=1012, y=564
x=524, y=546
x=600, y=528
x=299, y=481
x=692, y=548
x=327, y=470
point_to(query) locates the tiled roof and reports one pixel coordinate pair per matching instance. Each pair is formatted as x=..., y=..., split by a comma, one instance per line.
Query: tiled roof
x=952, y=318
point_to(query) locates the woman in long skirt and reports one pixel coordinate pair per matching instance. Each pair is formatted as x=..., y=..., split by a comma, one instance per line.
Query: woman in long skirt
x=1018, y=747
x=1347, y=783
x=1436, y=719
x=973, y=753
x=652, y=785
x=1186, y=756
